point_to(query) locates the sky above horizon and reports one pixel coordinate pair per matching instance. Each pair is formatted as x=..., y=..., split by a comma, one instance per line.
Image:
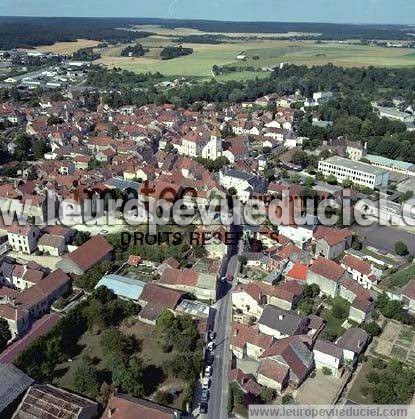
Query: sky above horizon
x=351, y=11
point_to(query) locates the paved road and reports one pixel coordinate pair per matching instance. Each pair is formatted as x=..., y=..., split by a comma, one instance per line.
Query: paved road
x=219, y=388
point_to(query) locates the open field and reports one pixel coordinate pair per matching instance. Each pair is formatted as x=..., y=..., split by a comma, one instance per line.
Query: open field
x=68, y=47
x=189, y=31
x=267, y=53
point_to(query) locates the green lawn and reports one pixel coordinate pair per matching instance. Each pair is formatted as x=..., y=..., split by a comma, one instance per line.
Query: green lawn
x=399, y=278
x=360, y=382
x=333, y=325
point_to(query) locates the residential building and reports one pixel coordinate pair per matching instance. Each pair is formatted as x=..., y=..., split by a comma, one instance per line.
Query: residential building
x=360, y=173
x=290, y=354
x=23, y=238
x=123, y=406
x=328, y=355
x=13, y=384
x=362, y=271
x=46, y=401
x=331, y=242
x=248, y=341
x=281, y=323
x=353, y=342
x=327, y=275
x=95, y=250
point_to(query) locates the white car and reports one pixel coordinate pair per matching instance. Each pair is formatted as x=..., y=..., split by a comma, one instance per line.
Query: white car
x=208, y=371
x=211, y=346
x=205, y=383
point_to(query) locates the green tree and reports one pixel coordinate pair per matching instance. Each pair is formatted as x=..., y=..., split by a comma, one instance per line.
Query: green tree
x=165, y=321
x=340, y=308
x=114, y=341
x=268, y=395
x=86, y=379
x=372, y=329
x=5, y=334
x=401, y=248
x=331, y=180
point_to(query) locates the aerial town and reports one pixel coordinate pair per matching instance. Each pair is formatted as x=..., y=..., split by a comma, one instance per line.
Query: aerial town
x=101, y=317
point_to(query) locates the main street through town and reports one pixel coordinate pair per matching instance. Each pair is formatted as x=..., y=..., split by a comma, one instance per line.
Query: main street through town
x=217, y=407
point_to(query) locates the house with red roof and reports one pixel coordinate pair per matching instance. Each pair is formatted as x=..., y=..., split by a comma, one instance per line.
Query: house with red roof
x=297, y=273
x=94, y=251
x=250, y=299
x=327, y=274
x=123, y=406
x=287, y=361
x=362, y=271
x=331, y=242
x=248, y=341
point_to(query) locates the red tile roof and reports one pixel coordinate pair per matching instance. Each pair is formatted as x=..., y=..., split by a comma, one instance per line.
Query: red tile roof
x=298, y=272
x=39, y=328
x=332, y=236
x=184, y=277
x=273, y=370
x=127, y=407
x=327, y=269
x=90, y=253
x=356, y=264
x=242, y=334
x=165, y=297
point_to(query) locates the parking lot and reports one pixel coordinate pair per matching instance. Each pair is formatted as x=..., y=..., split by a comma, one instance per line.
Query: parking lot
x=385, y=237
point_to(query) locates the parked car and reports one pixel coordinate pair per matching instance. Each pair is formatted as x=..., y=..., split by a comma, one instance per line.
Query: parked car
x=210, y=358
x=205, y=383
x=205, y=395
x=208, y=371
x=203, y=408
x=211, y=346
x=212, y=335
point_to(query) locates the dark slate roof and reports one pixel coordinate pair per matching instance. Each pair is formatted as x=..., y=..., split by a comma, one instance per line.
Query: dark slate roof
x=286, y=322
x=328, y=348
x=353, y=339
x=13, y=383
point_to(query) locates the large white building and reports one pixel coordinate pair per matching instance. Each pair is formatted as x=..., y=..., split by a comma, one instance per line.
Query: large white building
x=359, y=173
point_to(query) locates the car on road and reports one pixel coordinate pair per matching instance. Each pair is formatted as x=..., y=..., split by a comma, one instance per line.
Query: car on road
x=205, y=395
x=208, y=371
x=210, y=358
x=203, y=408
x=212, y=335
x=211, y=346
x=205, y=383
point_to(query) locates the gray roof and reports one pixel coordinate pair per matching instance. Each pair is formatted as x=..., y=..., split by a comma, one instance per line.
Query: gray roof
x=238, y=174
x=13, y=383
x=355, y=165
x=286, y=322
x=353, y=339
x=328, y=348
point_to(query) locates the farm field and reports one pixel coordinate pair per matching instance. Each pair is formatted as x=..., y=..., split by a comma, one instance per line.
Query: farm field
x=67, y=47
x=266, y=53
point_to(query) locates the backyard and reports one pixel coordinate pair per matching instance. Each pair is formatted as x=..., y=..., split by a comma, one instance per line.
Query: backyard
x=148, y=349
